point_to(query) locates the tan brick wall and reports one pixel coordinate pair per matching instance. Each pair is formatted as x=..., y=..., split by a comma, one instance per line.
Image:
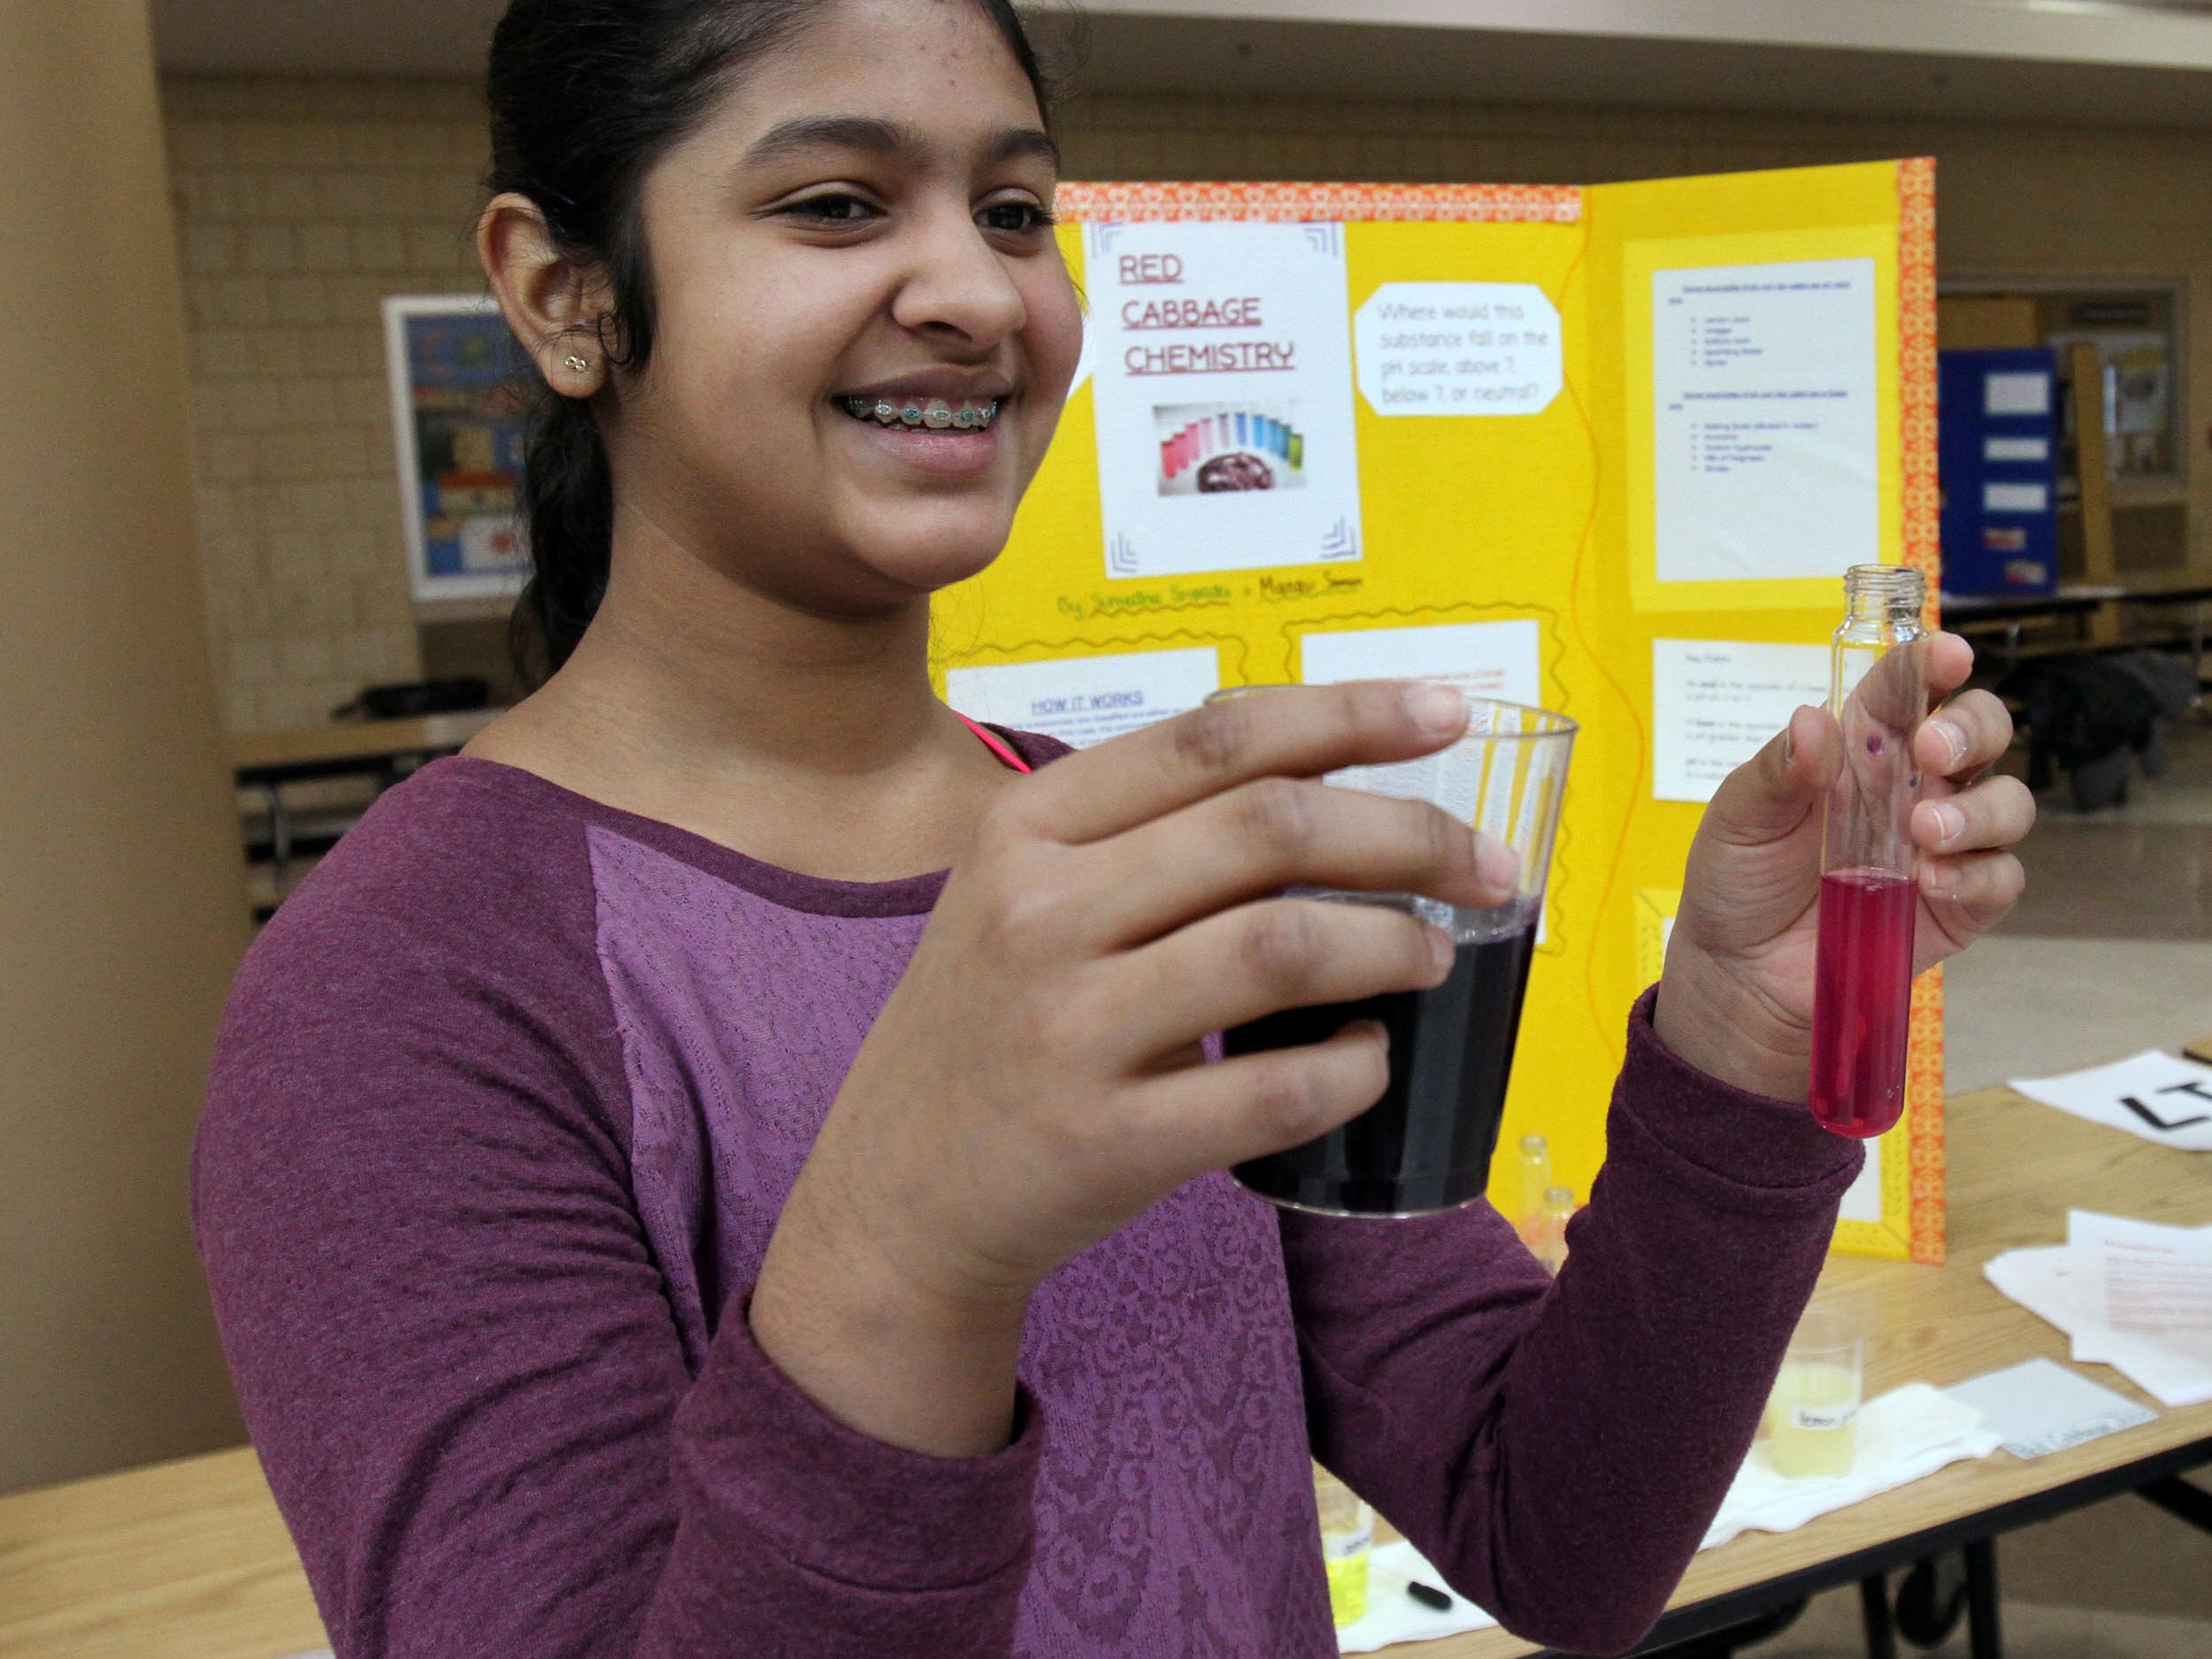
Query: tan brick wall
x=302, y=203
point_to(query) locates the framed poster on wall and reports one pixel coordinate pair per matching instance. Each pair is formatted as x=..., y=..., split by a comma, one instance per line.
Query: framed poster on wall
x=457, y=429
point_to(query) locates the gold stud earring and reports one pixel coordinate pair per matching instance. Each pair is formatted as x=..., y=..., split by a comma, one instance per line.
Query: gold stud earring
x=582, y=365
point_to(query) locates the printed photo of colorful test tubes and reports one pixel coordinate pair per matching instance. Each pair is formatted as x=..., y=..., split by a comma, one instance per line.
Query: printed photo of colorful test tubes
x=1211, y=449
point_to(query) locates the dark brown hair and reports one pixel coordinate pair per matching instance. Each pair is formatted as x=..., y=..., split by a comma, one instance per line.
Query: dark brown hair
x=585, y=96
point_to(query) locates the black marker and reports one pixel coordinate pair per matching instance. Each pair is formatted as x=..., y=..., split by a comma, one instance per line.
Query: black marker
x=1429, y=1595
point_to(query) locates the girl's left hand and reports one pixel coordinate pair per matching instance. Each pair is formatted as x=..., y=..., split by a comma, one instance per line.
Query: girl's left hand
x=1736, y=1000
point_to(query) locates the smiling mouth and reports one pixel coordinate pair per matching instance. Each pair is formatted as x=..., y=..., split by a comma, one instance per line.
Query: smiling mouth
x=923, y=414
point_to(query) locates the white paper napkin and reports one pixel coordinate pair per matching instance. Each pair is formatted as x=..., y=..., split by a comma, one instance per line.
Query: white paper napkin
x=1908, y=1432
x=1393, y=1616
x=2041, y=1407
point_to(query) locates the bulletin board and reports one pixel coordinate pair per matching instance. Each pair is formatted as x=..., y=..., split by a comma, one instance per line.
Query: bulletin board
x=1609, y=449
x=457, y=429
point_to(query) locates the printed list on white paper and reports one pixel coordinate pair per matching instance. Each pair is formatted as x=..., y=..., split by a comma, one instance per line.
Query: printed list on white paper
x=2156, y=1279
x=2073, y=1286
x=2152, y=1094
x=1768, y=456
x=1715, y=703
x=1087, y=700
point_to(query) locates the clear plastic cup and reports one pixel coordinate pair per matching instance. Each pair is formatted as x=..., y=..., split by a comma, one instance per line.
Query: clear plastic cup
x=1426, y=1144
x=1813, y=1414
x=1347, y=1536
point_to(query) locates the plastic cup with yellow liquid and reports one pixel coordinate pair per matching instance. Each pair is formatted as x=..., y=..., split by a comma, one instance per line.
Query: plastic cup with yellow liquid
x=1347, y=1534
x=1813, y=1414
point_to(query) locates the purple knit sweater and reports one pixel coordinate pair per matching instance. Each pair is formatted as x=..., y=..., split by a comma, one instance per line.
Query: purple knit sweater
x=506, y=1103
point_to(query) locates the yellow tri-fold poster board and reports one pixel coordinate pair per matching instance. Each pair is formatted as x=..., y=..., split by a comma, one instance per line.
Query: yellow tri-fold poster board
x=1607, y=450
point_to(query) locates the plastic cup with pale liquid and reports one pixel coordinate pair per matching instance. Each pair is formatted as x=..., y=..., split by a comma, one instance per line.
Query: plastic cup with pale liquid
x=1813, y=1414
x=1347, y=1534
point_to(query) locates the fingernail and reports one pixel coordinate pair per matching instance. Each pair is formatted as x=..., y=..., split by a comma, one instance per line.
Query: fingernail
x=1441, y=951
x=1953, y=742
x=1497, y=864
x=1950, y=823
x=1942, y=877
x=1437, y=710
x=1789, y=734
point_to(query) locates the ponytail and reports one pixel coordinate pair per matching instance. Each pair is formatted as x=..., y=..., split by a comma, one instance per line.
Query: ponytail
x=568, y=518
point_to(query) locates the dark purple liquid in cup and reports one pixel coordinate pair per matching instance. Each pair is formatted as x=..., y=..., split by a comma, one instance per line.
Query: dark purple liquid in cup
x=1425, y=1145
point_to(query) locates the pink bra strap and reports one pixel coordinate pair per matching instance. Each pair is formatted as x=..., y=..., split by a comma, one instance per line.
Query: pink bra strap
x=996, y=744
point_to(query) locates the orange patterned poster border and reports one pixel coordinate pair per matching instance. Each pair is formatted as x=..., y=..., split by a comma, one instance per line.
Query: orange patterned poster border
x=1465, y=203
x=1924, y=1090
x=1916, y=330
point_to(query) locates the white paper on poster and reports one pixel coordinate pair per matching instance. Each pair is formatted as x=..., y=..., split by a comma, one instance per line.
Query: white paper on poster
x=1715, y=703
x=1223, y=385
x=1768, y=456
x=2016, y=393
x=1484, y=659
x=1085, y=700
x=2015, y=498
x=2015, y=449
x=1863, y=1199
x=1499, y=660
x=1086, y=359
x=1459, y=349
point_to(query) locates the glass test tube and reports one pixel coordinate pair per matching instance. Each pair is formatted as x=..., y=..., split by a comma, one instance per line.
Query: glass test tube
x=1863, y=975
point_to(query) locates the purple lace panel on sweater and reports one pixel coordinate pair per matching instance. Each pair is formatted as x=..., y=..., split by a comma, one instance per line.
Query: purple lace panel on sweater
x=1174, y=1506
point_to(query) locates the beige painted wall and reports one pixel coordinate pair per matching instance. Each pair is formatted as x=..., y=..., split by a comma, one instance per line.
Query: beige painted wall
x=120, y=913
x=300, y=203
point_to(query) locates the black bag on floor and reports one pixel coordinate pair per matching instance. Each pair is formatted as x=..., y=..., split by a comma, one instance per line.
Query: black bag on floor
x=2088, y=717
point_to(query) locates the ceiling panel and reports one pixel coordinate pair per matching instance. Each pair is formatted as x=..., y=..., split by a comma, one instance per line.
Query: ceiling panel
x=2134, y=61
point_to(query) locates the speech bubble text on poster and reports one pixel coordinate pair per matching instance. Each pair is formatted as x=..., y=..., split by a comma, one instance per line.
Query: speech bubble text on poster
x=1458, y=348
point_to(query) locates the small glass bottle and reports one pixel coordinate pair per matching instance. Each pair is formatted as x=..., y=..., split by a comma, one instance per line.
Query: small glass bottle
x=1348, y=1535
x=1863, y=973
x=1535, y=1172
x=1559, y=1209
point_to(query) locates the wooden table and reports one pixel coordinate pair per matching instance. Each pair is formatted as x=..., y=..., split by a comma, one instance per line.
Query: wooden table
x=266, y=761
x=2015, y=1168
x=2190, y=588
x=188, y=1560
x=339, y=747
x=182, y=1560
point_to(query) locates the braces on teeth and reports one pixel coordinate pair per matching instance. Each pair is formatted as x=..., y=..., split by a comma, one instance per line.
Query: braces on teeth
x=936, y=416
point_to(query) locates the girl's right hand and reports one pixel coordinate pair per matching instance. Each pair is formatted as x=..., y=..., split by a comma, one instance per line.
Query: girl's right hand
x=1036, y=1081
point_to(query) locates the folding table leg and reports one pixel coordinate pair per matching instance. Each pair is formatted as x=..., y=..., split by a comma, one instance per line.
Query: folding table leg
x=2181, y=1500
x=1984, y=1638
x=1881, y=1634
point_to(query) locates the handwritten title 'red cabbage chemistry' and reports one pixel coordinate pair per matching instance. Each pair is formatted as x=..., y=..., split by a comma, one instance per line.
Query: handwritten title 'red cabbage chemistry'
x=1190, y=313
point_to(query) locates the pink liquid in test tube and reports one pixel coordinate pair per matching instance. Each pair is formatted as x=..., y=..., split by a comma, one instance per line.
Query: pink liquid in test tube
x=1863, y=1001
